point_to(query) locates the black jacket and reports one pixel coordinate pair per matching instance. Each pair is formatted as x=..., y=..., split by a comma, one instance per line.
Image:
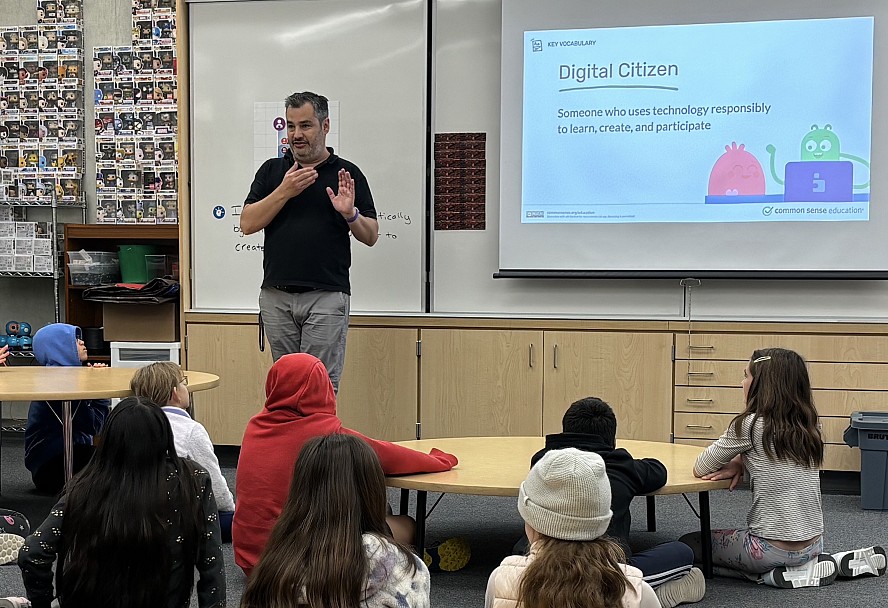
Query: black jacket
x=628, y=477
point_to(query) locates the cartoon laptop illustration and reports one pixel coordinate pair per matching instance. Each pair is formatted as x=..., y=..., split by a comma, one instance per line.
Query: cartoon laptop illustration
x=816, y=181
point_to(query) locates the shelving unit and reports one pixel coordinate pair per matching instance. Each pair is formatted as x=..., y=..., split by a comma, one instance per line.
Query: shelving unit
x=55, y=273
x=107, y=237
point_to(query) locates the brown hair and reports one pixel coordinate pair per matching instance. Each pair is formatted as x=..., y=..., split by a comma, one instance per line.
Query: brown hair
x=157, y=381
x=337, y=494
x=574, y=574
x=780, y=394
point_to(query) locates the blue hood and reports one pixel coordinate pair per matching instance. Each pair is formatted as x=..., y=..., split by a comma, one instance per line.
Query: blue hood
x=56, y=345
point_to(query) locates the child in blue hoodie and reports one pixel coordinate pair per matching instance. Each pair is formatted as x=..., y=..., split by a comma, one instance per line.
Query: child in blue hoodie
x=60, y=345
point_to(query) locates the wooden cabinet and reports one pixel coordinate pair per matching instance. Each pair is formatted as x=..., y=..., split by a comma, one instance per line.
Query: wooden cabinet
x=496, y=382
x=505, y=377
x=631, y=371
x=486, y=382
x=848, y=373
x=378, y=389
x=230, y=352
x=378, y=396
x=107, y=237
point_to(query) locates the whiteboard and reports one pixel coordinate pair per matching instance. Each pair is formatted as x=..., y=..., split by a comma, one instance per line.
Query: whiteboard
x=369, y=58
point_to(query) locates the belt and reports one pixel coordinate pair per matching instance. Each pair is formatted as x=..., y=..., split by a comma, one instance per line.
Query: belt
x=295, y=288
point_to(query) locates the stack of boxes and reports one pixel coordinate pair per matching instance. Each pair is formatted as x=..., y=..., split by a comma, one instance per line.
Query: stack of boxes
x=137, y=121
x=41, y=106
x=24, y=246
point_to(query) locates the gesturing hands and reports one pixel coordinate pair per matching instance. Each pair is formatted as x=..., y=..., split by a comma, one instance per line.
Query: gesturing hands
x=733, y=471
x=344, y=200
x=297, y=179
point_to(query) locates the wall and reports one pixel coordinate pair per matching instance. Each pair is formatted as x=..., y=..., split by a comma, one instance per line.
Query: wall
x=105, y=22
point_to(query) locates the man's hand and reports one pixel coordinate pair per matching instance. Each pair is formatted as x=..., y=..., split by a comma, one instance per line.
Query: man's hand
x=296, y=180
x=733, y=471
x=97, y=365
x=344, y=200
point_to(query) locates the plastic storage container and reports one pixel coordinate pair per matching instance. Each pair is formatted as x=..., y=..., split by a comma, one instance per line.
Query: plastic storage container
x=93, y=273
x=869, y=432
x=91, y=257
x=156, y=266
x=132, y=262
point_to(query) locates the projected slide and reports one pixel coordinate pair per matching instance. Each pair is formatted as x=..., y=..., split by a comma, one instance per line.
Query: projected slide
x=732, y=122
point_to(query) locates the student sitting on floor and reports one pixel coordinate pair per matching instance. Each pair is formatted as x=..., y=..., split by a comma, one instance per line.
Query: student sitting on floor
x=60, y=345
x=590, y=424
x=301, y=405
x=164, y=383
x=331, y=540
x=132, y=526
x=777, y=440
x=565, y=503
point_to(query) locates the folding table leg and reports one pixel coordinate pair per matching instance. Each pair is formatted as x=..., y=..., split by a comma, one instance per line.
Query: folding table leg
x=68, y=440
x=705, y=534
x=421, y=498
x=405, y=501
x=652, y=514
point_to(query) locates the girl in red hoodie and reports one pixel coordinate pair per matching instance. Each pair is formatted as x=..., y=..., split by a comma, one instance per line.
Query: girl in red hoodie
x=300, y=404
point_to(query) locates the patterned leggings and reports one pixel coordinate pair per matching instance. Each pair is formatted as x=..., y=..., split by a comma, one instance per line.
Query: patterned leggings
x=751, y=555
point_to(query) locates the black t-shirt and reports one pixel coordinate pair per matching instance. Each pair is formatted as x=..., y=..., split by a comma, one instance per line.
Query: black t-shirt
x=307, y=244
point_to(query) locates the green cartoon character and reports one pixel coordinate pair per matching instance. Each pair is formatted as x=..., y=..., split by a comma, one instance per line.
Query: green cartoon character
x=822, y=145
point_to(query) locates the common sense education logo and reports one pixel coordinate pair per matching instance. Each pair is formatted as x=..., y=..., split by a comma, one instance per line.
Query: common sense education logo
x=534, y=214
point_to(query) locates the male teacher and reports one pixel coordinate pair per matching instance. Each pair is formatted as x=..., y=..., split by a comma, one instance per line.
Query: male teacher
x=308, y=202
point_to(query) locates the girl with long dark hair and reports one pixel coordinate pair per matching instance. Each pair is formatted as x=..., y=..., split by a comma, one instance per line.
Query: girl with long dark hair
x=776, y=438
x=131, y=526
x=331, y=547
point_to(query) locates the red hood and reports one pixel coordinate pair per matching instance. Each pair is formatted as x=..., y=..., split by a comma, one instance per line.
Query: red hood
x=300, y=405
x=299, y=383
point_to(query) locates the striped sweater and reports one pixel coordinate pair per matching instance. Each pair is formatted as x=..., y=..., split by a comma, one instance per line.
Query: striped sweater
x=785, y=496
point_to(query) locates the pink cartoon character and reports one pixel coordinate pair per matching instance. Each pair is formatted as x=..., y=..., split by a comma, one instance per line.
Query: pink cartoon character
x=736, y=173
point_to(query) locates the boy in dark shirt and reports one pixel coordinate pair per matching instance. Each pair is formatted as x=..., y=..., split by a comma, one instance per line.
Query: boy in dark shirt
x=590, y=424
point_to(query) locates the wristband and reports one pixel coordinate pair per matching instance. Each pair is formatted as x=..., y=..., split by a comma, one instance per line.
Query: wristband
x=354, y=218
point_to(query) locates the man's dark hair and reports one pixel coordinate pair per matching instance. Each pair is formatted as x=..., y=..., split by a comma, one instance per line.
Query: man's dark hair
x=318, y=102
x=591, y=416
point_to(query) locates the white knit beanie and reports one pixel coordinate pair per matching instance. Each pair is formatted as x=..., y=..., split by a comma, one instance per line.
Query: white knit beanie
x=567, y=495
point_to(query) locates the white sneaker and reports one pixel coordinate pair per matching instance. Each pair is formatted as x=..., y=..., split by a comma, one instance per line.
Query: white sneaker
x=14, y=602
x=9, y=548
x=861, y=562
x=818, y=572
x=685, y=590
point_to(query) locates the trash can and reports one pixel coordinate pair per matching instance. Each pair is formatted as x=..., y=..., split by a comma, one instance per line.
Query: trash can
x=869, y=432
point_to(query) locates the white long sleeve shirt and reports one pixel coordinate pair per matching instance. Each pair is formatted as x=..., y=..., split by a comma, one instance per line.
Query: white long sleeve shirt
x=192, y=441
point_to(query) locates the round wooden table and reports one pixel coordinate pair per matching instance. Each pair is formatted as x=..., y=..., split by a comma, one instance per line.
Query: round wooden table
x=67, y=384
x=496, y=466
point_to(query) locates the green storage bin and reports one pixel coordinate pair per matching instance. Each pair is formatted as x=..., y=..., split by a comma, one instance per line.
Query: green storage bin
x=132, y=263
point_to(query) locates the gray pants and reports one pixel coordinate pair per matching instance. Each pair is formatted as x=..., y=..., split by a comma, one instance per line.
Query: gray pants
x=315, y=322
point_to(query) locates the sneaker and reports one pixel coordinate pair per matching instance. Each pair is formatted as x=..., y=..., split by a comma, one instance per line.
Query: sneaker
x=861, y=562
x=9, y=548
x=13, y=522
x=451, y=555
x=14, y=602
x=818, y=572
x=685, y=590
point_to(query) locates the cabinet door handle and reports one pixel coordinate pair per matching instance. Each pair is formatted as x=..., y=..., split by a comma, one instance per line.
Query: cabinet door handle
x=555, y=356
x=700, y=373
x=530, y=355
x=700, y=347
x=692, y=400
x=699, y=426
